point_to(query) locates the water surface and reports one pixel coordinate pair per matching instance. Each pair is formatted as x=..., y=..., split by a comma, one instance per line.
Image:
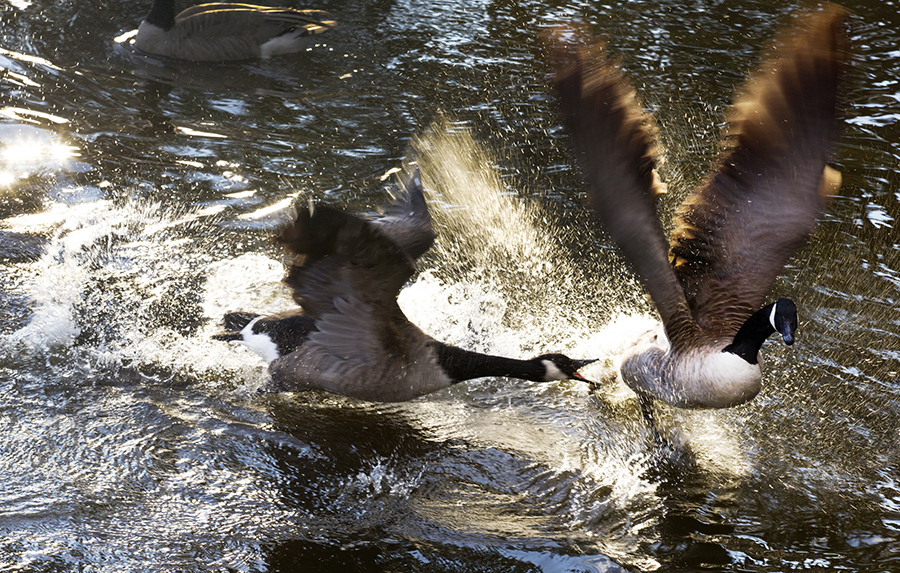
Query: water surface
x=137, y=198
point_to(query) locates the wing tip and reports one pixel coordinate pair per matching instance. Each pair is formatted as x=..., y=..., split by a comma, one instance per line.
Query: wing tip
x=812, y=49
x=600, y=106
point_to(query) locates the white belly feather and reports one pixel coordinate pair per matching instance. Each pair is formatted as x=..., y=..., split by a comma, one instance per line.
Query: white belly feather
x=716, y=379
x=701, y=378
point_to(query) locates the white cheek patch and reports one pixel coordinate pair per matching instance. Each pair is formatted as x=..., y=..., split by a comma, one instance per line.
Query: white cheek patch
x=552, y=371
x=772, y=316
x=259, y=343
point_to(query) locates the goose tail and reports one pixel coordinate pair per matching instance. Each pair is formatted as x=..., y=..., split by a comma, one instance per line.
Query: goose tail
x=234, y=324
x=228, y=336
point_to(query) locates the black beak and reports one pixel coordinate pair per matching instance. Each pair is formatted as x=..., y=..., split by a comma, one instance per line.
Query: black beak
x=787, y=334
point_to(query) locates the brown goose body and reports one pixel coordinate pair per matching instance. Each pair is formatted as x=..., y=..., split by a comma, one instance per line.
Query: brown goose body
x=733, y=234
x=350, y=337
x=218, y=32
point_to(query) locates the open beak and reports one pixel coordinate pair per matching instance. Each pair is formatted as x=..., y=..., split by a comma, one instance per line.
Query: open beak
x=579, y=364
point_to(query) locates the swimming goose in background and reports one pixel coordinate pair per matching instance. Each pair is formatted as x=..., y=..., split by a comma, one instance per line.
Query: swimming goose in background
x=350, y=336
x=219, y=32
x=732, y=235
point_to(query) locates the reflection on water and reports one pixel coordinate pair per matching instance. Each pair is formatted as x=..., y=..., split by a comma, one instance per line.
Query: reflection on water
x=136, y=201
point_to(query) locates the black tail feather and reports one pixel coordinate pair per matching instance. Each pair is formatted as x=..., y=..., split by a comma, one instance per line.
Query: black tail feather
x=236, y=321
x=228, y=336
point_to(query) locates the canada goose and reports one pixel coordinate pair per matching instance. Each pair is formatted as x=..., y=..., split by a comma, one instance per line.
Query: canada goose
x=219, y=32
x=350, y=336
x=733, y=234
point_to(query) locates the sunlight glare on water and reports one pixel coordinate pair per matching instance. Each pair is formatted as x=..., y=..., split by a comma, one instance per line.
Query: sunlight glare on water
x=25, y=150
x=138, y=198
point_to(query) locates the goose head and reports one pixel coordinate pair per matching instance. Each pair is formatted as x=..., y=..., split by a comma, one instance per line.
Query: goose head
x=561, y=367
x=783, y=319
x=779, y=316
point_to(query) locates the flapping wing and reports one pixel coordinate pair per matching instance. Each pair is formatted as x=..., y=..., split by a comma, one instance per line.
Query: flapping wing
x=407, y=221
x=736, y=232
x=346, y=274
x=615, y=147
x=337, y=255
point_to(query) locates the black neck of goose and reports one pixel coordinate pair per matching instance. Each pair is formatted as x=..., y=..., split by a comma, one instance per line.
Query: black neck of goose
x=162, y=14
x=752, y=334
x=461, y=365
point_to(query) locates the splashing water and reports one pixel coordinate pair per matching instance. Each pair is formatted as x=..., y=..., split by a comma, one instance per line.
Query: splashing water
x=126, y=285
x=481, y=220
x=488, y=235
x=130, y=286
x=517, y=291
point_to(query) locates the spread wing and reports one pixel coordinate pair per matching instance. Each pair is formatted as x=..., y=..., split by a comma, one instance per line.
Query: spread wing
x=346, y=273
x=407, y=221
x=338, y=255
x=735, y=233
x=615, y=147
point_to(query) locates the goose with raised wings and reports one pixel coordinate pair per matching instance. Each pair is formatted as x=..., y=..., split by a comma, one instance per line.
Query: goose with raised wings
x=733, y=234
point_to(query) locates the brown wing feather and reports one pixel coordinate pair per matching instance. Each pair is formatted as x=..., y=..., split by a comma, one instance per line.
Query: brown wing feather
x=346, y=273
x=734, y=234
x=407, y=221
x=615, y=147
x=341, y=255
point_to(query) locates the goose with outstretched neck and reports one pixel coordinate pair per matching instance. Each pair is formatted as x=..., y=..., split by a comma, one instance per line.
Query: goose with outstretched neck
x=350, y=337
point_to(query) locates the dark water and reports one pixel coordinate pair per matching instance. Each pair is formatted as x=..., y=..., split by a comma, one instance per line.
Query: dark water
x=136, y=198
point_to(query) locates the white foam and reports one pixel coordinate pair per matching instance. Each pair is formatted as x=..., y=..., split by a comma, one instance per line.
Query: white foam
x=468, y=314
x=248, y=282
x=108, y=269
x=382, y=479
x=57, y=285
